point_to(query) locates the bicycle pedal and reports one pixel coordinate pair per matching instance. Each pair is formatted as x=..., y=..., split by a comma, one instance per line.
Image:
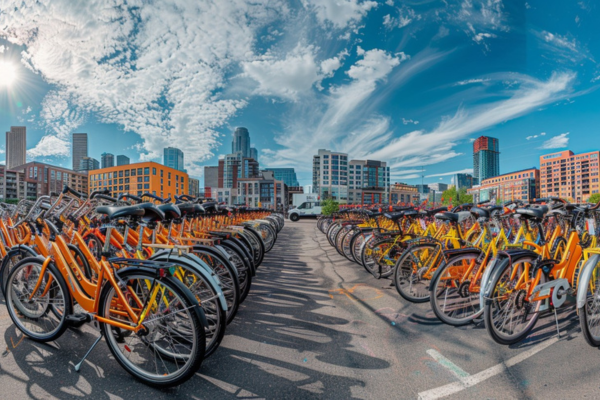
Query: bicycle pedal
x=78, y=318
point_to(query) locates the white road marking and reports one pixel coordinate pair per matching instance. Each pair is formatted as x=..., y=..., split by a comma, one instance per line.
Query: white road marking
x=449, y=365
x=472, y=380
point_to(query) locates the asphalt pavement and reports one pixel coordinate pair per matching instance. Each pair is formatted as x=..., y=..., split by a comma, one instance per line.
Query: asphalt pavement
x=317, y=326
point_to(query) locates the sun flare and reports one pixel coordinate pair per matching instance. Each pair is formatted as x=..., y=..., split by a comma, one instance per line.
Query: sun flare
x=8, y=73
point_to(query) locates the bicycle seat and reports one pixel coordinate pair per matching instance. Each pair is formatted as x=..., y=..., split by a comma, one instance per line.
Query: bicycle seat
x=495, y=209
x=480, y=212
x=396, y=216
x=120, y=212
x=458, y=217
x=189, y=208
x=536, y=213
x=429, y=213
x=151, y=212
x=171, y=211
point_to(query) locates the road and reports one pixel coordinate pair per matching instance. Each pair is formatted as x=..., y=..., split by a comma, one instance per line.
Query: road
x=317, y=326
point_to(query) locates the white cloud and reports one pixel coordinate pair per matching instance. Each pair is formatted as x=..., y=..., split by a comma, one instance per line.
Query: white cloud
x=482, y=19
x=424, y=148
x=156, y=70
x=340, y=13
x=564, y=48
x=472, y=81
x=462, y=171
x=556, y=142
x=409, y=121
x=297, y=73
x=535, y=136
x=405, y=16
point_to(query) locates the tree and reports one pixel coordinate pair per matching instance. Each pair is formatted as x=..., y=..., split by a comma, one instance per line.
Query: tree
x=595, y=198
x=329, y=206
x=451, y=196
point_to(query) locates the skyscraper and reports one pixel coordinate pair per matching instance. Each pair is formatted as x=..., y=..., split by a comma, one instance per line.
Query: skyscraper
x=486, y=158
x=330, y=175
x=173, y=158
x=88, y=164
x=254, y=154
x=16, y=146
x=287, y=175
x=108, y=160
x=122, y=160
x=241, y=142
x=79, y=148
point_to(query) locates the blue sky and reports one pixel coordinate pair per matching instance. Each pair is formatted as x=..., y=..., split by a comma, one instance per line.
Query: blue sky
x=407, y=82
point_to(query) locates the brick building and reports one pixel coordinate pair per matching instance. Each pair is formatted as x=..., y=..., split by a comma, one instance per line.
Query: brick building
x=570, y=176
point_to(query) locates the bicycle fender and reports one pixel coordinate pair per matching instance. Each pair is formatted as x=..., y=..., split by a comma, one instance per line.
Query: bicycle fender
x=489, y=275
x=584, y=279
x=219, y=252
x=198, y=266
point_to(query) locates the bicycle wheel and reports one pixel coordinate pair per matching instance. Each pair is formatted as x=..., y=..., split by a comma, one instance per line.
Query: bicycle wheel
x=414, y=270
x=171, y=347
x=41, y=315
x=451, y=300
x=243, y=270
x=508, y=316
x=589, y=314
x=227, y=276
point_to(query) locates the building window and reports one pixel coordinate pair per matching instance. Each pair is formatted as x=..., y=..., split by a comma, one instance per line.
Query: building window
x=139, y=186
x=146, y=179
x=153, y=171
x=146, y=186
x=120, y=174
x=139, y=171
x=126, y=172
x=147, y=171
x=133, y=172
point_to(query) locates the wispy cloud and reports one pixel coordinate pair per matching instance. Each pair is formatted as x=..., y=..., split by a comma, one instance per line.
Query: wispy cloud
x=472, y=81
x=556, y=142
x=340, y=13
x=462, y=171
x=409, y=121
x=563, y=48
x=535, y=136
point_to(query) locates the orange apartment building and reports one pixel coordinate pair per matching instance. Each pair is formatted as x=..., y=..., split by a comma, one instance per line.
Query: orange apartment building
x=519, y=185
x=140, y=178
x=573, y=177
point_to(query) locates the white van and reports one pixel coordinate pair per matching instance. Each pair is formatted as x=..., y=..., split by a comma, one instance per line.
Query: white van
x=307, y=209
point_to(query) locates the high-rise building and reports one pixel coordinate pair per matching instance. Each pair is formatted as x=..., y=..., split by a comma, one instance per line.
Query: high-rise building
x=368, y=182
x=422, y=189
x=88, y=164
x=173, y=158
x=122, y=160
x=263, y=190
x=464, y=181
x=194, y=187
x=211, y=180
x=253, y=153
x=16, y=146
x=438, y=186
x=287, y=175
x=108, y=160
x=519, y=185
x=486, y=158
x=330, y=175
x=79, y=149
x=241, y=142
x=574, y=177
x=234, y=166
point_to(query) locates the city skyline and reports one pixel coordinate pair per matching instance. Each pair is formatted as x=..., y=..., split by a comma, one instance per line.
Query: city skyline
x=380, y=81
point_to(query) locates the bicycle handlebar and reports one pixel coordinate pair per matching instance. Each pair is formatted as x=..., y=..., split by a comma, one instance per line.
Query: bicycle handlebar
x=130, y=196
x=75, y=193
x=99, y=192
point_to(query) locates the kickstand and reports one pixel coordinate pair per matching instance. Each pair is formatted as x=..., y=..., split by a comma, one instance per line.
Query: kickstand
x=78, y=366
x=556, y=319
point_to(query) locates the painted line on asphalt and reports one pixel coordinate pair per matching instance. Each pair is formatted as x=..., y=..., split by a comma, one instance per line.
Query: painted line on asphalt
x=472, y=380
x=449, y=365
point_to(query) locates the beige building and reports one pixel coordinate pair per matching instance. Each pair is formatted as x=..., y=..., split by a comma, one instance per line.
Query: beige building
x=16, y=146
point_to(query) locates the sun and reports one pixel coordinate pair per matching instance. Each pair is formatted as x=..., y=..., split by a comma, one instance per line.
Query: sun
x=8, y=73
